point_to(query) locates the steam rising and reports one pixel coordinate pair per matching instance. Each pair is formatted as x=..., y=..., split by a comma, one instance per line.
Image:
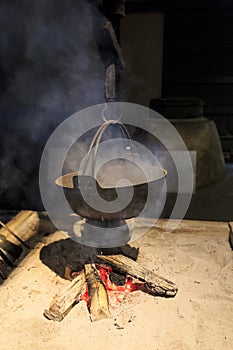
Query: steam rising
x=49, y=69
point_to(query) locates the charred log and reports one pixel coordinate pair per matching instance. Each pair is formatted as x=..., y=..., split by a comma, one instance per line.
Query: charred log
x=123, y=265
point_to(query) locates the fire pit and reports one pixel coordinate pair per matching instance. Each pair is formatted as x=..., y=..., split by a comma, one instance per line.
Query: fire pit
x=199, y=316
x=94, y=283
x=88, y=192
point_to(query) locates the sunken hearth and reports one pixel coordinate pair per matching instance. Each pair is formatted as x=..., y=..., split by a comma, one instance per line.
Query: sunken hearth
x=100, y=277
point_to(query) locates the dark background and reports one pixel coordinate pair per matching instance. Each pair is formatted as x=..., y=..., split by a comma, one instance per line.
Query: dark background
x=50, y=68
x=197, y=53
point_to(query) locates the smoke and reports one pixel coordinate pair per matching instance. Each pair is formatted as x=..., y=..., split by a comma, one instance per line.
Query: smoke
x=49, y=69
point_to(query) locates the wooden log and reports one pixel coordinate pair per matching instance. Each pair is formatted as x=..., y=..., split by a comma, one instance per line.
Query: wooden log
x=3, y=270
x=157, y=284
x=14, y=235
x=99, y=306
x=21, y=228
x=64, y=302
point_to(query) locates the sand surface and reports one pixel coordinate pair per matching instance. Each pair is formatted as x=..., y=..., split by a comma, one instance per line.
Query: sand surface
x=199, y=317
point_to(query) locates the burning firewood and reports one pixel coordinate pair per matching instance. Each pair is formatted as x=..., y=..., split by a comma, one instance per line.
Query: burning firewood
x=63, y=303
x=98, y=297
x=96, y=277
x=157, y=284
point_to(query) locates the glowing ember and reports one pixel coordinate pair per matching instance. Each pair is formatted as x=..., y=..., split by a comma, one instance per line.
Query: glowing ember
x=116, y=292
x=128, y=287
x=85, y=296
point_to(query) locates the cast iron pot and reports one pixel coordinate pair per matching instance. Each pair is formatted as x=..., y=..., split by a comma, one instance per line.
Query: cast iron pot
x=103, y=186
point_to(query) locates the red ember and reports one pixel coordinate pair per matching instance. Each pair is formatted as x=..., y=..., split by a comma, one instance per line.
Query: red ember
x=115, y=291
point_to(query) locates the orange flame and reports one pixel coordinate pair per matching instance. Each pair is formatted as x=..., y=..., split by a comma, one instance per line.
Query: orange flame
x=85, y=296
x=104, y=272
x=116, y=292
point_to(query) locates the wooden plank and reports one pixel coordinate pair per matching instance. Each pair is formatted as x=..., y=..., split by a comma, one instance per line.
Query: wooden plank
x=185, y=226
x=64, y=302
x=157, y=284
x=231, y=234
x=99, y=306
